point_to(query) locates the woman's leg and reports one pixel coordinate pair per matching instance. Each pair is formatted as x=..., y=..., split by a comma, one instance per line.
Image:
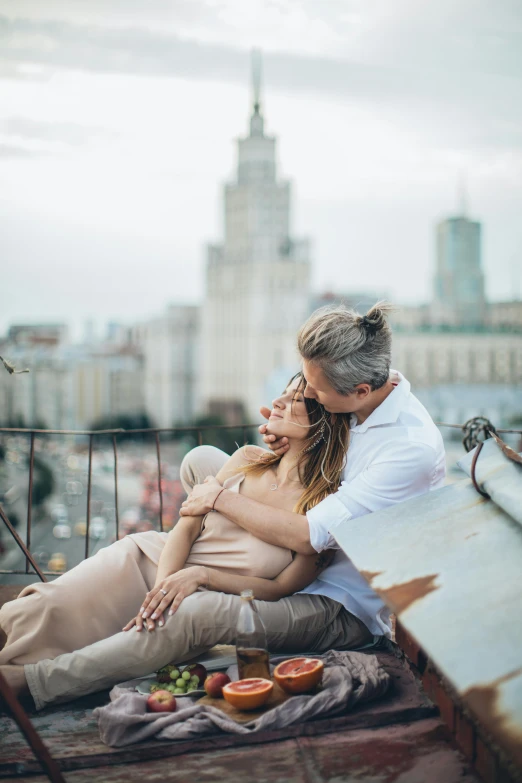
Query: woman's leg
x=199, y=463
x=298, y=623
x=92, y=601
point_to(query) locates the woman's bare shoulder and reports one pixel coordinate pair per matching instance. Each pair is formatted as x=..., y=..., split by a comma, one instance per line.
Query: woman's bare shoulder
x=243, y=456
x=252, y=453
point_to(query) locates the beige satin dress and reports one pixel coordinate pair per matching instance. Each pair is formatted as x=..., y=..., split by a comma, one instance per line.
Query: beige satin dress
x=96, y=598
x=224, y=545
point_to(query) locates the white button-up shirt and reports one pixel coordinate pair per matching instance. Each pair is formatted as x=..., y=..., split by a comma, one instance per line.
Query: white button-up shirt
x=396, y=454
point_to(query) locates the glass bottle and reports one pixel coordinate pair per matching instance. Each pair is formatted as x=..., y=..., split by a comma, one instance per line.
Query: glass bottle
x=251, y=646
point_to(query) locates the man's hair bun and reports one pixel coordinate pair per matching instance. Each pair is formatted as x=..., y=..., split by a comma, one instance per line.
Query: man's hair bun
x=375, y=318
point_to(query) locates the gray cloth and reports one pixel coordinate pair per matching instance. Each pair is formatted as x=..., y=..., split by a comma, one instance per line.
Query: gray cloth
x=349, y=679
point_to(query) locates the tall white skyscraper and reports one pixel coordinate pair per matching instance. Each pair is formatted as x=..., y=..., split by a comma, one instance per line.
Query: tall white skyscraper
x=257, y=280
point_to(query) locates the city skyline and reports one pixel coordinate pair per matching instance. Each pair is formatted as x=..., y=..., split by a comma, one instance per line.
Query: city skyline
x=114, y=151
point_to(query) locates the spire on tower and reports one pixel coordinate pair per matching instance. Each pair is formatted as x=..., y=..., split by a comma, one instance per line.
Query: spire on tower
x=256, y=121
x=256, y=79
x=462, y=195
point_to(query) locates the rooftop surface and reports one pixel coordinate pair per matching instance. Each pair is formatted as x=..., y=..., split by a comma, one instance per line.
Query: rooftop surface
x=399, y=738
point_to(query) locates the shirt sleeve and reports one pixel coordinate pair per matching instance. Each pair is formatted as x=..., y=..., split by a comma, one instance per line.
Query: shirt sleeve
x=397, y=474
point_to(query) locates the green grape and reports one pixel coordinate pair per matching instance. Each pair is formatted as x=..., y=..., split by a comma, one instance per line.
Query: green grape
x=195, y=679
x=174, y=675
x=180, y=683
x=178, y=691
x=171, y=687
x=186, y=675
x=192, y=688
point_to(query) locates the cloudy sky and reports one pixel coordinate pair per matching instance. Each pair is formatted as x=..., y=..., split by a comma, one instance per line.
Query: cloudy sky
x=117, y=128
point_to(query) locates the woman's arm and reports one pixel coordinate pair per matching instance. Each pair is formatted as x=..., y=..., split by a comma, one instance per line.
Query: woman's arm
x=172, y=559
x=299, y=574
x=177, y=547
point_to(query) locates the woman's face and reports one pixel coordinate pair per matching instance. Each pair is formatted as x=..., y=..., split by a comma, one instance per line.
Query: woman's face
x=289, y=416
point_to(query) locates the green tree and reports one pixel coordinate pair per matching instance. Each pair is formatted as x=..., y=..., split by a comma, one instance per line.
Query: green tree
x=124, y=421
x=227, y=440
x=43, y=481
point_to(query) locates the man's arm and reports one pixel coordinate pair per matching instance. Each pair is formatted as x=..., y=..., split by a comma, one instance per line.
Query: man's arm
x=273, y=525
x=399, y=473
x=281, y=528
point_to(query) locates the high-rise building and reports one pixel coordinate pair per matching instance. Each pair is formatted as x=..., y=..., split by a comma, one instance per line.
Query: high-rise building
x=170, y=345
x=257, y=280
x=459, y=298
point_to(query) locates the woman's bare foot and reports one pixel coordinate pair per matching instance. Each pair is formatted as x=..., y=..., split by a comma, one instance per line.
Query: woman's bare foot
x=15, y=677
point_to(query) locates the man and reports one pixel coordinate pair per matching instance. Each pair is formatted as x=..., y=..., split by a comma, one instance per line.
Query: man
x=395, y=453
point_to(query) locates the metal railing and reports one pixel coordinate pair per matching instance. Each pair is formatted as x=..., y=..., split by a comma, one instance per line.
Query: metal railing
x=199, y=431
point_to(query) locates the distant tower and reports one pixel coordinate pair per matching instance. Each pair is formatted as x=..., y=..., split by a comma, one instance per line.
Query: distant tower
x=257, y=281
x=459, y=295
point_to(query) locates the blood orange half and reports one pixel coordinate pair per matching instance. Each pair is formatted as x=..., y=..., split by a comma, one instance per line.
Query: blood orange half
x=299, y=675
x=248, y=694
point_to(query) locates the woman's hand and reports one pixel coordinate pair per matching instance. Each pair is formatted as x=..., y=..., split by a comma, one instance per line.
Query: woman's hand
x=170, y=592
x=278, y=445
x=202, y=498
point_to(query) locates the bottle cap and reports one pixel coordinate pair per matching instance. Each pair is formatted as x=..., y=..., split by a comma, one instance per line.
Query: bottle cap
x=247, y=595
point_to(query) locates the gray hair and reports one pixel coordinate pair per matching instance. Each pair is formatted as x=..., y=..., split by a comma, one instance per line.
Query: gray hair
x=349, y=348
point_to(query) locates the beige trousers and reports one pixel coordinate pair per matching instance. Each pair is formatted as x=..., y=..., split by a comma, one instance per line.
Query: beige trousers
x=99, y=596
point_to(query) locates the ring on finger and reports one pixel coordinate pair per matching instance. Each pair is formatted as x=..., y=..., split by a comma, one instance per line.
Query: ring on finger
x=163, y=591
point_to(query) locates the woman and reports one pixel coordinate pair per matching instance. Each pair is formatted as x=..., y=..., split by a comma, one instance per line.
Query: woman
x=91, y=602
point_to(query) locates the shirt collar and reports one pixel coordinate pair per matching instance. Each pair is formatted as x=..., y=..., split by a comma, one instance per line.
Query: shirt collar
x=390, y=409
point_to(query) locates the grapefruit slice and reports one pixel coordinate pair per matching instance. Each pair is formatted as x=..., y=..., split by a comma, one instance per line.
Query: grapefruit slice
x=248, y=694
x=299, y=675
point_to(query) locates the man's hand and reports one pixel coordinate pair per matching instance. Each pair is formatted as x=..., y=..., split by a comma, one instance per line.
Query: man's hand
x=278, y=445
x=201, y=499
x=170, y=592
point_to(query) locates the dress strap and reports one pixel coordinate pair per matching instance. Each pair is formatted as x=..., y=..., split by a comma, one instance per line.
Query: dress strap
x=234, y=482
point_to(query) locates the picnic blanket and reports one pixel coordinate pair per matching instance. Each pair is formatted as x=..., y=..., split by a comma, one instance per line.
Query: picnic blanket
x=349, y=678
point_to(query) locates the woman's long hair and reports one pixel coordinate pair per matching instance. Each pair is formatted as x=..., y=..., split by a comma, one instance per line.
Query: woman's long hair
x=320, y=464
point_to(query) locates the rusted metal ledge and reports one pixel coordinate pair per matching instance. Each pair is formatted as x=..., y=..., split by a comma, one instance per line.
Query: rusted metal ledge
x=157, y=749
x=448, y=565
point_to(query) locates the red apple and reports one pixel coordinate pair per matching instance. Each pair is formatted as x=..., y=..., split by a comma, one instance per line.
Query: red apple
x=196, y=670
x=161, y=701
x=214, y=684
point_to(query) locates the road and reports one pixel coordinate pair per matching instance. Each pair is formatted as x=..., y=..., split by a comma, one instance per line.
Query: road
x=43, y=542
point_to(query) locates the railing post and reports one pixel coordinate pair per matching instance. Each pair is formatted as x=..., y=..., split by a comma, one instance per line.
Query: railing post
x=29, y=502
x=116, y=510
x=22, y=546
x=89, y=487
x=158, y=455
x=40, y=750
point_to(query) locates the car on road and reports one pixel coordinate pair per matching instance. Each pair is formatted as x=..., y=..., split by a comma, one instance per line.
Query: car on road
x=59, y=514
x=58, y=562
x=12, y=494
x=41, y=556
x=61, y=530
x=98, y=528
x=80, y=528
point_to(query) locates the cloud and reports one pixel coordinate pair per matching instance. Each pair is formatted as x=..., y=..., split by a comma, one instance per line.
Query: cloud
x=70, y=133
x=15, y=151
x=420, y=63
